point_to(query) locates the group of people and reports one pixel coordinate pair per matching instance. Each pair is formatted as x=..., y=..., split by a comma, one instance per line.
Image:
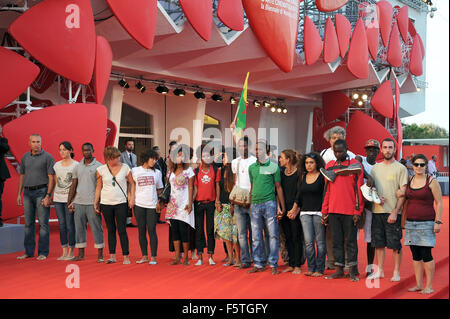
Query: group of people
x=314, y=204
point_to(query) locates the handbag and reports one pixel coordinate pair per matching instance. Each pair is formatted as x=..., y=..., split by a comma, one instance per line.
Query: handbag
x=239, y=196
x=164, y=196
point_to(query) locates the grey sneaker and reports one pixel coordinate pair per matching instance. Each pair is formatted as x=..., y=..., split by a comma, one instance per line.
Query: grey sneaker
x=329, y=175
x=351, y=169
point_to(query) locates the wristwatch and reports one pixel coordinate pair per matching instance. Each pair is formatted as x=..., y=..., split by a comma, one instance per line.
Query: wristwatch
x=438, y=222
x=49, y=195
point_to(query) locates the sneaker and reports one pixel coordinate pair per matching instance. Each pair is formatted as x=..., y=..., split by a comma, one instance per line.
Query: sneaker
x=367, y=192
x=211, y=261
x=199, y=262
x=41, y=257
x=329, y=175
x=351, y=169
x=374, y=194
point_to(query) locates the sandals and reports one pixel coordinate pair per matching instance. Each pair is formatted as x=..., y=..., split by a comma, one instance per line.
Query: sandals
x=309, y=274
x=143, y=260
x=175, y=262
x=111, y=261
x=413, y=289
x=100, y=260
x=427, y=291
x=186, y=262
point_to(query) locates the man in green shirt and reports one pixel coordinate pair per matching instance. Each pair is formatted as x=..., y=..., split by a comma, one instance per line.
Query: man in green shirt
x=265, y=179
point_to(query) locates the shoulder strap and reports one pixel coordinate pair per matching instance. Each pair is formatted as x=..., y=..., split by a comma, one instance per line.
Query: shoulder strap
x=323, y=152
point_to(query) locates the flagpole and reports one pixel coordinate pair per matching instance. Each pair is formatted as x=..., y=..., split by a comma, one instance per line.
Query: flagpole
x=237, y=110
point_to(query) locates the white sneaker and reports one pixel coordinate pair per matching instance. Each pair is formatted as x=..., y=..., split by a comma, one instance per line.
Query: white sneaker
x=374, y=194
x=367, y=192
x=199, y=262
x=211, y=261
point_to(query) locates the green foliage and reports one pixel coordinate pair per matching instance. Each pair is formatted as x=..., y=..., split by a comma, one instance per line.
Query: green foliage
x=414, y=131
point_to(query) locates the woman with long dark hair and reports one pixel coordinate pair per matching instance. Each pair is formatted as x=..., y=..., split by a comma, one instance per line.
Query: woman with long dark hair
x=63, y=180
x=225, y=227
x=310, y=199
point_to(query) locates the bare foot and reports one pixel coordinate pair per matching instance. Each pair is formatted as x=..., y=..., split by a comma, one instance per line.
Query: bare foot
x=415, y=288
x=175, y=262
x=317, y=274
x=309, y=273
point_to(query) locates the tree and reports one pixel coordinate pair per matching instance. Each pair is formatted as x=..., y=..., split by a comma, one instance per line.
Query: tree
x=414, y=131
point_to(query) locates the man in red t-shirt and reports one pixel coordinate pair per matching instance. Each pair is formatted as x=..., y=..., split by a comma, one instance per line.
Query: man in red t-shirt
x=206, y=196
x=342, y=207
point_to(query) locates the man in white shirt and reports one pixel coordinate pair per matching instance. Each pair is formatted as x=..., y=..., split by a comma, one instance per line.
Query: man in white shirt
x=432, y=170
x=332, y=135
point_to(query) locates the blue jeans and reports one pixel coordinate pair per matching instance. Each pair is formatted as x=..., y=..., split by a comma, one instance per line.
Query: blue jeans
x=314, y=233
x=244, y=232
x=264, y=214
x=66, y=225
x=32, y=205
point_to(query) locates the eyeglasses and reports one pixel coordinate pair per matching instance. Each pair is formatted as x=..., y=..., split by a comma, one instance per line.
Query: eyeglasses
x=419, y=164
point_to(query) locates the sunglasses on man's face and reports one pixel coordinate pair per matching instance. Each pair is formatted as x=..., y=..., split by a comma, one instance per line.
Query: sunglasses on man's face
x=419, y=164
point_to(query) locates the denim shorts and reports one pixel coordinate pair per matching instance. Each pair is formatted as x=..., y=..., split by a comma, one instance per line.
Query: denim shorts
x=385, y=234
x=420, y=233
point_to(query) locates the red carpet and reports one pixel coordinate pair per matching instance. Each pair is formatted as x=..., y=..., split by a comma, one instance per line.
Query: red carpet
x=47, y=279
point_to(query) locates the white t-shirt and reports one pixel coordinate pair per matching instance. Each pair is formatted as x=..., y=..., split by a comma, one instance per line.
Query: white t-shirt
x=179, y=197
x=432, y=167
x=367, y=166
x=328, y=155
x=243, y=178
x=64, y=176
x=147, y=182
x=111, y=194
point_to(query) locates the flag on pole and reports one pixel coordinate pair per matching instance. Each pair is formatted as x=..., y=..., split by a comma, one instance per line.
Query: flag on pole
x=240, y=118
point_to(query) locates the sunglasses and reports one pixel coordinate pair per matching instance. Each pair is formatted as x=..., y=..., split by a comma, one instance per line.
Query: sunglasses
x=114, y=181
x=419, y=164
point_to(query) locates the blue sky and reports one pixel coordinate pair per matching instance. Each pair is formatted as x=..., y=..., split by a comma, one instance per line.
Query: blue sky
x=437, y=68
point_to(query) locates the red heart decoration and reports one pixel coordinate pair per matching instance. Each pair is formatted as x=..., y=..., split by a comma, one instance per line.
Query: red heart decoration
x=276, y=31
x=138, y=19
x=17, y=73
x=312, y=42
x=415, y=58
x=422, y=48
x=373, y=35
x=330, y=5
x=102, y=70
x=343, y=31
x=58, y=39
x=330, y=43
x=383, y=100
x=394, y=53
x=358, y=53
x=231, y=13
x=402, y=21
x=385, y=19
x=334, y=104
x=76, y=123
x=111, y=133
x=199, y=15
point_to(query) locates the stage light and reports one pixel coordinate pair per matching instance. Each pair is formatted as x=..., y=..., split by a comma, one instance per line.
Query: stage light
x=216, y=97
x=273, y=109
x=123, y=83
x=256, y=103
x=266, y=104
x=162, y=89
x=418, y=89
x=179, y=92
x=365, y=97
x=355, y=96
x=279, y=109
x=140, y=87
x=360, y=103
x=232, y=100
x=285, y=110
x=199, y=95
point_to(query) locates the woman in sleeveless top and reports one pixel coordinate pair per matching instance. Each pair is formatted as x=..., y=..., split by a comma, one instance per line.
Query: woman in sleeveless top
x=422, y=221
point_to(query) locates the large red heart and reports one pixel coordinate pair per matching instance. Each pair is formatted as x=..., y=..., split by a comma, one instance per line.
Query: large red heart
x=415, y=58
x=385, y=10
x=402, y=21
x=111, y=133
x=76, y=123
x=373, y=37
x=16, y=75
x=199, y=15
x=334, y=104
x=361, y=128
x=276, y=29
x=231, y=13
x=394, y=53
x=383, y=100
x=343, y=31
x=330, y=43
x=102, y=70
x=358, y=53
x=138, y=18
x=330, y=5
x=61, y=35
x=312, y=42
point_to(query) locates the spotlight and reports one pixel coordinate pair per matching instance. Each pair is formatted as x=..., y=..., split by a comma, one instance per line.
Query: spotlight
x=216, y=97
x=279, y=109
x=140, y=87
x=418, y=89
x=360, y=103
x=162, y=89
x=232, y=100
x=199, y=95
x=256, y=103
x=365, y=97
x=123, y=83
x=285, y=110
x=355, y=96
x=273, y=109
x=179, y=92
x=266, y=104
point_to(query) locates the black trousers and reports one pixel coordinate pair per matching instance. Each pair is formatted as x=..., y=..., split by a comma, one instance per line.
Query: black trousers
x=2, y=186
x=116, y=218
x=179, y=230
x=294, y=239
x=344, y=236
x=200, y=241
x=146, y=219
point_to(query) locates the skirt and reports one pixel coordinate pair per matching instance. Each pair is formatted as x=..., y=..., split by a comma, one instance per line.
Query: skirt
x=418, y=233
x=225, y=227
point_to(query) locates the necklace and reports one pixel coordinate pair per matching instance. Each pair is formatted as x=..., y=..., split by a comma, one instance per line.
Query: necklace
x=291, y=172
x=204, y=171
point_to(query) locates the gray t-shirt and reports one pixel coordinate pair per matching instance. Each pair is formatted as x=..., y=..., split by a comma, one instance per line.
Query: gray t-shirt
x=36, y=168
x=87, y=182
